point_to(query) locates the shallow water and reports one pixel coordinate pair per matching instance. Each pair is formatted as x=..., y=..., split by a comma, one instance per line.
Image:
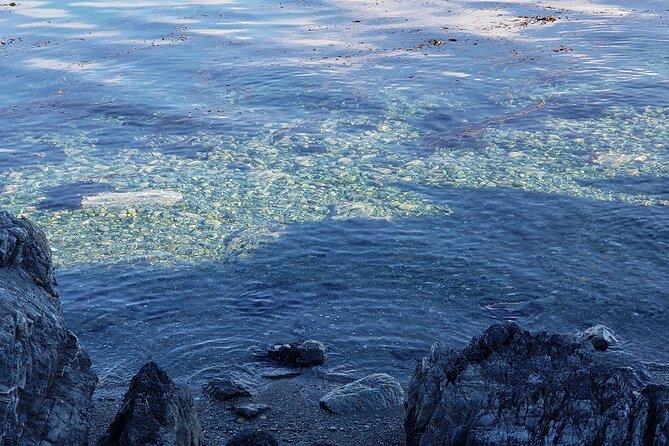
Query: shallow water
x=325, y=170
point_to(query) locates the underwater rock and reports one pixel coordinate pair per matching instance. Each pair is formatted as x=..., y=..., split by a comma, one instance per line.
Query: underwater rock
x=46, y=380
x=356, y=209
x=613, y=159
x=251, y=411
x=298, y=354
x=509, y=386
x=252, y=437
x=374, y=392
x=153, y=197
x=279, y=373
x=226, y=388
x=154, y=412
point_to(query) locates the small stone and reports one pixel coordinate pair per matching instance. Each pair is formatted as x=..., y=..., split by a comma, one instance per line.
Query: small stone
x=250, y=437
x=332, y=428
x=225, y=389
x=251, y=411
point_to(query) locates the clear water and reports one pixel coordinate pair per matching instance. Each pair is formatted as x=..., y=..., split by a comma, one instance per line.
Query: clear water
x=321, y=170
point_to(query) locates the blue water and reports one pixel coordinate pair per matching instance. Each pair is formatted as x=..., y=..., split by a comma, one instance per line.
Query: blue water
x=339, y=176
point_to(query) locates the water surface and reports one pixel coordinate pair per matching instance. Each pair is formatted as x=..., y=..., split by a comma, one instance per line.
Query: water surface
x=374, y=175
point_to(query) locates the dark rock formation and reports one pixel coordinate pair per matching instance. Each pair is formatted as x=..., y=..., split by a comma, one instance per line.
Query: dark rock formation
x=25, y=251
x=226, y=388
x=298, y=354
x=154, y=412
x=252, y=437
x=374, y=392
x=45, y=377
x=512, y=387
x=251, y=411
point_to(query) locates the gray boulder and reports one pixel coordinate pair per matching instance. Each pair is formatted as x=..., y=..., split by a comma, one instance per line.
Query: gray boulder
x=46, y=381
x=154, y=412
x=374, y=392
x=226, y=388
x=509, y=386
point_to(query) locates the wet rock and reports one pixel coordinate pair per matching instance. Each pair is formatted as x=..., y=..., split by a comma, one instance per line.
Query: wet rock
x=509, y=386
x=298, y=354
x=251, y=411
x=154, y=412
x=599, y=343
x=600, y=336
x=374, y=392
x=226, y=388
x=46, y=381
x=251, y=437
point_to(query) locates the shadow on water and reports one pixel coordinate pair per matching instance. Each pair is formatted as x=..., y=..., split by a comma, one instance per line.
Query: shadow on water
x=17, y=155
x=649, y=185
x=371, y=289
x=70, y=196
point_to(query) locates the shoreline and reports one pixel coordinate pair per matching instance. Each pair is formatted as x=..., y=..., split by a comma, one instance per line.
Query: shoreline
x=295, y=418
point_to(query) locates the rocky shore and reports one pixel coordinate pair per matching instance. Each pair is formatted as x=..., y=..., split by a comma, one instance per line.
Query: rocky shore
x=507, y=386
x=46, y=381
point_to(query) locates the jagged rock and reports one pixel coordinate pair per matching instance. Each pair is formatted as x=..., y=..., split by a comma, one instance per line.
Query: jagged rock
x=509, y=386
x=252, y=437
x=25, y=251
x=226, y=388
x=298, y=354
x=46, y=381
x=374, y=392
x=251, y=411
x=154, y=412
